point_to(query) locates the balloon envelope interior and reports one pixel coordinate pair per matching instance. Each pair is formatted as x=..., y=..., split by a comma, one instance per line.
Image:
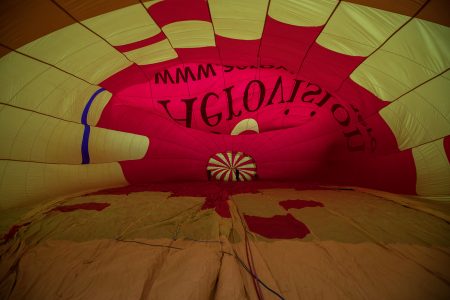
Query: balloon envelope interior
x=245, y=136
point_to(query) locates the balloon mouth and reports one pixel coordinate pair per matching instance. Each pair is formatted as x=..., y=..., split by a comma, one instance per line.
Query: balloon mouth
x=231, y=166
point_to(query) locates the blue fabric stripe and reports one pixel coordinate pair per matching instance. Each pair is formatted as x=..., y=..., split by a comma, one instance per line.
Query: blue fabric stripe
x=85, y=145
x=88, y=106
x=87, y=129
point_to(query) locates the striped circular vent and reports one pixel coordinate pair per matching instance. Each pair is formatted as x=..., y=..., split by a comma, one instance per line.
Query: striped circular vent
x=231, y=166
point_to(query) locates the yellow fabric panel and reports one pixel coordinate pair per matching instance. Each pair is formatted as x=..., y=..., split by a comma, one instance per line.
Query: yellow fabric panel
x=244, y=125
x=96, y=109
x=24, y=183
x=422, y=115
x=306, y=13
x=190, y=34
x=418, y=52
x=432, y=168
x=110, y=146
x=151, y=54
x=51, y=92
x=237, y=19
x=30, y=136
x=387, y=75
x=124, y=26
x=424, y=42
x=78, y=51
x=434, y=208
x=358, y=30
x=16, y=71
x=33, y=85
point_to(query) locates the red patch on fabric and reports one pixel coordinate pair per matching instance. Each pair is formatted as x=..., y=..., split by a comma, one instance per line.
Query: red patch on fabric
x=447, y=147
x=216, y=193
x=206, y=189
x=288, y=204
x=12, y=231
x=277, y=227
x=219, y=204
x=83, y=206
x=139, y=44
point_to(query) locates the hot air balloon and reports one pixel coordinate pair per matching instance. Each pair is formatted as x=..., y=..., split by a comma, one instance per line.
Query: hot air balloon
x=238, y=149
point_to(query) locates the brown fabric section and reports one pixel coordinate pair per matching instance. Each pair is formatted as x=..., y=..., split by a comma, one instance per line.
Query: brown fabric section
x=108, y=269
x=155, y=245
x=24, y=21
x=335, y=270
x=4, y=51
x=436, y=11
x=404, y=7
x=85, y=9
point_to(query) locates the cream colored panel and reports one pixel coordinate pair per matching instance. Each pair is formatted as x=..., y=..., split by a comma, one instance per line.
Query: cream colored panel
x=358, y=30
x=109, y=145
x=446, y=75
x=78, y=51
x=124, y=26
x=433, y=169
x=31, y=136
x=16, y=71
x=306, y=13
x=388, y=75
x=151, y=54
x=424, y=42
x=33, y=85
x=24, y=183
x=190, y=34
x=245, y=125
x=418, y=52
x=96, y=109
x=422, y=115
x=237, y=19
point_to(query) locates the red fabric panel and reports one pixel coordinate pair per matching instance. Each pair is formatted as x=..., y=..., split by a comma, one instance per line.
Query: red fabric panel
x=169, y=11
x=361, y=97
x=238, y=52
x=286, y=45
x=327, y=67
x=199, y=55
x=122, y=80
x=338, y=141
x=395, y=172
